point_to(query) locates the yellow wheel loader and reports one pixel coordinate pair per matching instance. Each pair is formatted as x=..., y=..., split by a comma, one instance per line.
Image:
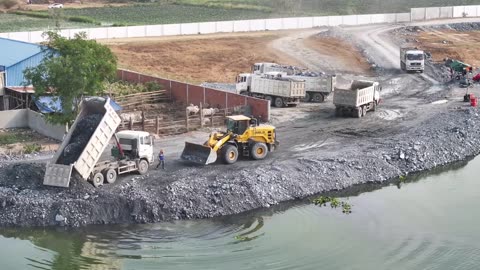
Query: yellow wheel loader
x=243, y=137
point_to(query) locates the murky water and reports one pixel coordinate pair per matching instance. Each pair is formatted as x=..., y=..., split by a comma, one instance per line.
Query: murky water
x=431, y=223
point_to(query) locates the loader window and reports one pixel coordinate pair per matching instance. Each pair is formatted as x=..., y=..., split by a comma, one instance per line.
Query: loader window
x=230, y=125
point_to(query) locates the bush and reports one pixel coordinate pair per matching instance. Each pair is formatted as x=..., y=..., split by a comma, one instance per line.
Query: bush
x=8, y=4
x=82, y=19
x=32, y=14
x=32, y=148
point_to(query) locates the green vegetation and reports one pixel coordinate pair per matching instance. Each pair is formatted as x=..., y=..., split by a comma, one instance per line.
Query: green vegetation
x=121, y=88
x=16, y=23
x=144, y=12
x=12, y=137
x=77, y=67
x=334, y=203
x=32, y=148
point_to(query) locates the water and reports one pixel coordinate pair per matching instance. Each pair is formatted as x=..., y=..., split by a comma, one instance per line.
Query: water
x=430, y=223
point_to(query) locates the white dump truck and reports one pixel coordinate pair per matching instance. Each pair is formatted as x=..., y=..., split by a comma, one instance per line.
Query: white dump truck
x=412, y=59
x=317, y=86
x=262, y=68
x=80, y=153
x=274, y=86
x=356, y=100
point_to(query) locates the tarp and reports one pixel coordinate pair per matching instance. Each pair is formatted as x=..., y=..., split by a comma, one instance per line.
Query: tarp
x=53, y=104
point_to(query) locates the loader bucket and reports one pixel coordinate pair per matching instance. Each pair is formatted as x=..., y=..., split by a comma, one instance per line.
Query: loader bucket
x=198, y=153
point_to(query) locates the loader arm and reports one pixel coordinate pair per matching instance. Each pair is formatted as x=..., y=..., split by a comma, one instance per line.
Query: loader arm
x=222, y=141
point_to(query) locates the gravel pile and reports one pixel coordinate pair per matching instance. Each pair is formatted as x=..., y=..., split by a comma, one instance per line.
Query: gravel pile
x=200, y=192
x=461, y=27
x=80, y=137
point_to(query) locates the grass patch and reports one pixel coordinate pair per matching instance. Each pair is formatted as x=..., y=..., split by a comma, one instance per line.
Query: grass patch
x=16, y=23
x=32, y=148
x=11, y=138
x=121, y=88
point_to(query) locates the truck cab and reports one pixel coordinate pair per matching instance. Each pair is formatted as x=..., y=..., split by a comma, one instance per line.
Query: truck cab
x=243, y=83
x=412, y=60
x=136, y=144
x=260, y=68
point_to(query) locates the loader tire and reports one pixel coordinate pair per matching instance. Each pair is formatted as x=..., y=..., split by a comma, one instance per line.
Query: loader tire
x=97, y=179
x=258, y=151
x=229, y=154
x=110, y=175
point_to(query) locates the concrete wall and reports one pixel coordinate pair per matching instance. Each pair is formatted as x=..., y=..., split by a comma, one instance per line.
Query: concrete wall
x=25, y=118
x=36, y=121
x=188, y=93
x=14, y=119
x=416, y=14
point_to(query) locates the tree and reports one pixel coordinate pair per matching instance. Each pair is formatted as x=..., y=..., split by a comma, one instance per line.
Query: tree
x=71, y=69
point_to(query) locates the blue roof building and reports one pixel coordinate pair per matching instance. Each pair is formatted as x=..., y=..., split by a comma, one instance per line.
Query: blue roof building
x=15, y=57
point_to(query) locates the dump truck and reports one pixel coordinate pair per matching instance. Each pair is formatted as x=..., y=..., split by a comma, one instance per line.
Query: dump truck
x=243, y=137
x=274, y=86
x=317, y=86
x=412, y=59
x=262, y=68
x=356, y=100
x=82, y=148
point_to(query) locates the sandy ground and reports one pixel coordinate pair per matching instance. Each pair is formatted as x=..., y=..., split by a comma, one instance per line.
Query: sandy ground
x=220, y=58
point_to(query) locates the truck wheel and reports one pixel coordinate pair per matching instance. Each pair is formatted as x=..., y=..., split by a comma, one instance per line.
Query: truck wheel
x=258, y=151
x=229, y=154
x=364, y=110
x=317, y=97
x=244, y=93
x=374, y=106
x=110, y=176
x=142, y=167
x=97, y=179
x=278, y=102
x=307, y=97
x=358, y=112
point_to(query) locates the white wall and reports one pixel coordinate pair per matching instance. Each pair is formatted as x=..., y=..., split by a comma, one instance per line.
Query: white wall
x=14, y=119
x=415, y=14
x=25, y=118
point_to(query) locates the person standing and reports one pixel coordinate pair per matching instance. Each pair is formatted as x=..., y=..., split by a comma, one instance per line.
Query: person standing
x=161, y=160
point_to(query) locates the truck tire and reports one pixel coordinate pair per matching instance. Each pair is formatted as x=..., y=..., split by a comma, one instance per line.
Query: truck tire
x=307, y=97
x=374, y=106
x=358, y=112
x=244, y=93
x=338, y=111
x=229, y=154
x=142, y=167
x=318, y=98
x=364, y=110
x=97, y=179
x=258, y=151
x=278, y=102
x=110, y=175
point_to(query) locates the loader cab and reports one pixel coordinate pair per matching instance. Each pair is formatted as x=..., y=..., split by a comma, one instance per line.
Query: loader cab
x=136, y=144
x=238, y=124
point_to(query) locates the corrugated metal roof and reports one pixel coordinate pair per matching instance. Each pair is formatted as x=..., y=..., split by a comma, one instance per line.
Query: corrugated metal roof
x=13, y=51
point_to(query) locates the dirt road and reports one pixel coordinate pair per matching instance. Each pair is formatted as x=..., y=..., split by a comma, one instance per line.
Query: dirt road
x=419, y=125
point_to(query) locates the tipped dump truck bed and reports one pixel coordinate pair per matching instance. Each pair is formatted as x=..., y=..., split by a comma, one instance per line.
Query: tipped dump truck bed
x=57, y=172
x=359, y=93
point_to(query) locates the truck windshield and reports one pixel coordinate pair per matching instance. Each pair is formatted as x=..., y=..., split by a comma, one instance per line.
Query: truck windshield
x=415, y=56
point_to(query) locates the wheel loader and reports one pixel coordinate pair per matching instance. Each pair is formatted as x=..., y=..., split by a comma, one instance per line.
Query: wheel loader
x=244, y=136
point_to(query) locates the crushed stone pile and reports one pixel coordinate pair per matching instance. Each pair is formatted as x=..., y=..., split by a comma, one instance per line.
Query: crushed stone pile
x=80, y=137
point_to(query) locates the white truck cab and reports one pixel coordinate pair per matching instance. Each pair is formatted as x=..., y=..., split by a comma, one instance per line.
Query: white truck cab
x=127, y=139
x=243, y=83
x=412, y=59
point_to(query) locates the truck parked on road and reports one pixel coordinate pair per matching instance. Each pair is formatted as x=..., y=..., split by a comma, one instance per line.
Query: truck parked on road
x=81, y=150
x=274, y=86
x=317, y=86
x=262, y=68
x=356, y=100
x=412, y=59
